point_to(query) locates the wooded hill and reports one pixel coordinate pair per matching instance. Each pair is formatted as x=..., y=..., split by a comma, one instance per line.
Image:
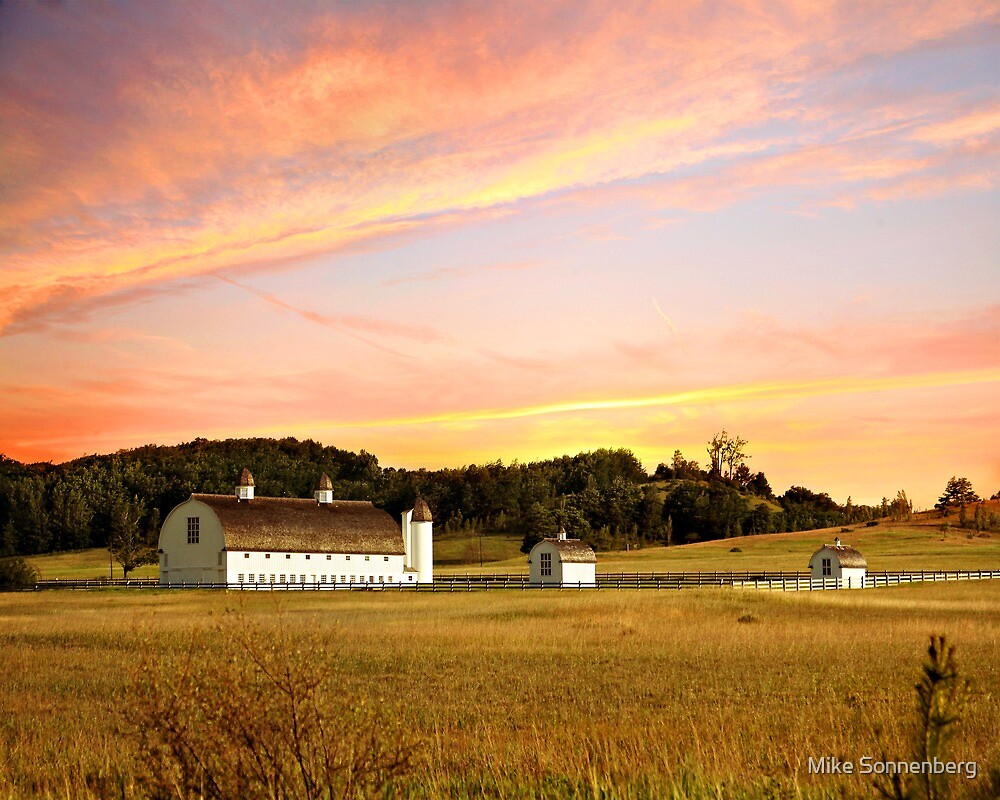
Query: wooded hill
x=604, y=497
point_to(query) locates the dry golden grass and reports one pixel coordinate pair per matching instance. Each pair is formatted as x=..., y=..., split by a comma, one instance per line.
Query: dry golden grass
x=521, y=694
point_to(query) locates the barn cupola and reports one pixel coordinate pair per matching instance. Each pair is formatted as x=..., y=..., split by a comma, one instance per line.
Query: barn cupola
x=324, y=490
x=244, y=489
x=562, y=534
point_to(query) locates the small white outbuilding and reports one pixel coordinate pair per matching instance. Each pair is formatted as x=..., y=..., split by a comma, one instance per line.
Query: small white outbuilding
x=562, y=562
x=839, y=562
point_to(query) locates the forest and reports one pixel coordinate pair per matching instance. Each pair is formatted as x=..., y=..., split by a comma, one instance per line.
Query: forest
x=604, y=497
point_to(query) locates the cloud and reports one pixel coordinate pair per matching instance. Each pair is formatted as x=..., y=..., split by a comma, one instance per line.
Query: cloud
x=209, y=143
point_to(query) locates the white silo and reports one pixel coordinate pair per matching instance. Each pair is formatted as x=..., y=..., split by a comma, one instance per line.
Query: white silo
x=422, y=541
x=407, y=540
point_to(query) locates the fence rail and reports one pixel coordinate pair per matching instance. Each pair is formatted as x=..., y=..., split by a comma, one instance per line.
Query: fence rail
x=776, y=581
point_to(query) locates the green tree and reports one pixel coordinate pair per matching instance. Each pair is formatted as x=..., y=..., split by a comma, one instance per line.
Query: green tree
x=129, y=547
x=901, y=508
x=16, y=574
x=31, y=532
x=537, y=524
x=957, y=492
x=70, y=517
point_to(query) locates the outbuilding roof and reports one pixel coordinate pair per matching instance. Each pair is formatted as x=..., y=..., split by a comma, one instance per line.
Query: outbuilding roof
x=574, y=551
x=294, y=525
x=846, y=555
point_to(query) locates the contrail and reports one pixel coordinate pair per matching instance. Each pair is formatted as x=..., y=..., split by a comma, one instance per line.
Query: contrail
x=311, y=316
x=659, y=311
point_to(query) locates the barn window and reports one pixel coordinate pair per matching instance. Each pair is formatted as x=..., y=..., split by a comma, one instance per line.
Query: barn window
x=282, y=580
x=272, y=578
x=827, y=569
x=329, y=557
x=240, y=577
x=368, y=558
x=288, y=555
x=302, y=578
x=411, y=578
x=267, y=555
x=385, y=558
x=546, y=563
x=343, y=579
x=263, y=578
x=246, y=555
x=347, y=557
x=307, y=556
x=194, y=530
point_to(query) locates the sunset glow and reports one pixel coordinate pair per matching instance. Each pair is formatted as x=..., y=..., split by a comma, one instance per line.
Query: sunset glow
x=455, y=232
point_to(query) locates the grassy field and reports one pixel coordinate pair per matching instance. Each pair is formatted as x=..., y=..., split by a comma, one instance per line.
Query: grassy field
x=703, y=693
x=915, y=545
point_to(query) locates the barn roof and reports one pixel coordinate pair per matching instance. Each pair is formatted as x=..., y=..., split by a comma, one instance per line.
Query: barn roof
x=293, y=525
x=846, y=555
x=574, y=551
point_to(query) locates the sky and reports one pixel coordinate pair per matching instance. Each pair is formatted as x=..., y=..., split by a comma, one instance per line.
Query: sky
x=451, y=233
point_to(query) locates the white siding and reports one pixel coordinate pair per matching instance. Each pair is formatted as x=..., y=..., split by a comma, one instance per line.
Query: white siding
x=579, y=574
x=323, y=568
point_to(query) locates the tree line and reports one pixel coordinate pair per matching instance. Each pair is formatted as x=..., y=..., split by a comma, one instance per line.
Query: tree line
x=604, y=497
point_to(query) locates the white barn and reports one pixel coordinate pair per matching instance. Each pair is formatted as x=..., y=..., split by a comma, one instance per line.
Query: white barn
x=279, y=542
x=562, y=562
x=839, y=562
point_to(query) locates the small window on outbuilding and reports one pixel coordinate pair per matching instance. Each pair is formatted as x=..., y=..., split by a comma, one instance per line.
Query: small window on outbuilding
x=194, y=530
x=827, y=568
x=546, y=563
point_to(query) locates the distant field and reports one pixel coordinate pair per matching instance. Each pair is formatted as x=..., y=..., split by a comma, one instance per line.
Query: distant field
x=697, y=694
x=915, y=545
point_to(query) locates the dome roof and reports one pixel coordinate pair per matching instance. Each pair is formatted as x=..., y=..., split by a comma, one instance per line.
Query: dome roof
x=846, y=555
x=421, y=511
x=324, y=483
x=246, y=479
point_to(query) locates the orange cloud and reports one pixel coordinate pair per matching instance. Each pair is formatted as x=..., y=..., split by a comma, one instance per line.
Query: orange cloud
x=215, y=152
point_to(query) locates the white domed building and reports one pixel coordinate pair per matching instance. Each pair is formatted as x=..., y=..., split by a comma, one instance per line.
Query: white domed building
x=281, y=542
x=841, y=563
x=562, y=561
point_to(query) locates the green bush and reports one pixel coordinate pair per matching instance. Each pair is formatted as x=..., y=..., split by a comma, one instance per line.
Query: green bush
x=17, y=575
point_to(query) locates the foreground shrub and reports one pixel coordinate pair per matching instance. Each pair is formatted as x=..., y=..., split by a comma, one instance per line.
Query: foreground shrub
x=941, y=694
x=247, y=713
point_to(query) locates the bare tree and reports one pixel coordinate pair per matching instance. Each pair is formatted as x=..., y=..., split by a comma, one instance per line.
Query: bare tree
x=726, y=453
